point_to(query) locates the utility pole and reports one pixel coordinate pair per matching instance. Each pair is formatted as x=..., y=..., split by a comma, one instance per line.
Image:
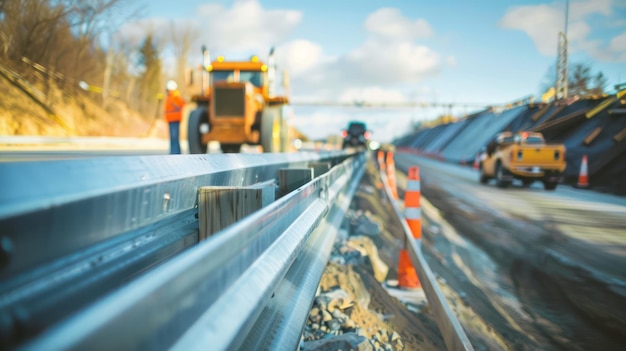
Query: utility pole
x=561, y=60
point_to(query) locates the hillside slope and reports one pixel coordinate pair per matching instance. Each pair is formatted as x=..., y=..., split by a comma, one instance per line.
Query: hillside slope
x=25, y=110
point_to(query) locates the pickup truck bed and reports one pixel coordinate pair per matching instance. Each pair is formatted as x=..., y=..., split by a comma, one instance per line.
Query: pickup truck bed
x=510, y=157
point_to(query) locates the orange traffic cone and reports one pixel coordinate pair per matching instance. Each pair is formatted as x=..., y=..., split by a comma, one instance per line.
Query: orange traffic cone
x=412, y=206
x=407, y=277
x=381, y=159
x=583, y=179
x=391, y=175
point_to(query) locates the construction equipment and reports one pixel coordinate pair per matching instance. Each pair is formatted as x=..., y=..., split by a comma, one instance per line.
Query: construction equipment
x=240, y=107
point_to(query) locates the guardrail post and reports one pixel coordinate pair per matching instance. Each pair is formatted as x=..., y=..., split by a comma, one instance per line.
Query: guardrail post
x=319, y=168
x=221, y=206
x=290, y=179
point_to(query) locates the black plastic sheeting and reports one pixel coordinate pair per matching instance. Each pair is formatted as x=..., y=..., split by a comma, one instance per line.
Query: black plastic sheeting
x=524, y=120
x=602, y=153
x=478, y=133
x=432, y=137
x=447, y=135
x=459, y=142
x=423, y=137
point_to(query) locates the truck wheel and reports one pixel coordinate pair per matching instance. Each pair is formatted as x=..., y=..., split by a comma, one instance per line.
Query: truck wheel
x=547, y=185
x=270, y=129
x=500, y=173
x=483, y=178
x=197, y=118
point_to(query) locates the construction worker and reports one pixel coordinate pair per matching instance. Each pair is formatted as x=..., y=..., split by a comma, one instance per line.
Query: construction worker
x=174, y=104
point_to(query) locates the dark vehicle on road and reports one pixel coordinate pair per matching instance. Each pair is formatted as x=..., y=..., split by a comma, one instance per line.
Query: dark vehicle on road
x=355, y=135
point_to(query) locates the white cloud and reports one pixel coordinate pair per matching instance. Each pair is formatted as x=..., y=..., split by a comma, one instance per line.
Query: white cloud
x=244, y=28
x=618, y=43
x=382, y=62
x=300, y=56
x=389, y=23
x=579, y=9
x=371, y=71
x=245, y=25
x=543, y=22
x=451, y=61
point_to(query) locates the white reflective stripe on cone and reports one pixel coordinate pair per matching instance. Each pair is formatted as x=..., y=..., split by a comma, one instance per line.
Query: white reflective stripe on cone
x=413, y=185
x=412, y=213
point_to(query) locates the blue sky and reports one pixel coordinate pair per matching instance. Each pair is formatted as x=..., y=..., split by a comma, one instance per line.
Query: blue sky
x=489, y=51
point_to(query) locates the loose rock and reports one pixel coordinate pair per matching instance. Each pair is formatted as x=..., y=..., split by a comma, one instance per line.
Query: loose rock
x=327, y=316
x=334, y=324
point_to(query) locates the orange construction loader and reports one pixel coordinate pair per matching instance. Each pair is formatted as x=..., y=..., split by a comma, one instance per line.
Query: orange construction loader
x=240, y=107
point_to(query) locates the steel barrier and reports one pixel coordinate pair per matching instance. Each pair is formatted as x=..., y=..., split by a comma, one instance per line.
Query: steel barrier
x=104, y=253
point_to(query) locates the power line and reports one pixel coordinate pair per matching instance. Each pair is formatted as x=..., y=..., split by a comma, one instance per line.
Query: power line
x=363, y=104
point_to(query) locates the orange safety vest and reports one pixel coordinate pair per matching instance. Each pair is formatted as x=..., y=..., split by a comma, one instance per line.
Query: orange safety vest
x=174, y=107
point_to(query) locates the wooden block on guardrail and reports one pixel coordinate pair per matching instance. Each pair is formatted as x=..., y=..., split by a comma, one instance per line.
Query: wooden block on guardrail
x=319, y=168
x=290, y=179
x=221, y=206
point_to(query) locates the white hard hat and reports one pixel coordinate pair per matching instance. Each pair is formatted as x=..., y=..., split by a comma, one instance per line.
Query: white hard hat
x=171, y=85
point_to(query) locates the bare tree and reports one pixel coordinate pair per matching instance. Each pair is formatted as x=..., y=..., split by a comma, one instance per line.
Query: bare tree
x=98, y=19
x=31, y=26
x=581, y=80
x=599, y=83
x=183, y=36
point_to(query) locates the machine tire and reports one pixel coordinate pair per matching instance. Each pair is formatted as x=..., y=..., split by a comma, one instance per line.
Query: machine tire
x=500, y=172
x=269, y=137
x=547, y=185
x=194, y=138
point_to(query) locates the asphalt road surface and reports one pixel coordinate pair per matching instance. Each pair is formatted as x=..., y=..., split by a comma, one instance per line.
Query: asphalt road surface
x=535, y=269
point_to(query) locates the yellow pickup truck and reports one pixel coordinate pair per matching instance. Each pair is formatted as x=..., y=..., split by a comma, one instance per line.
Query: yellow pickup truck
x=524, y=156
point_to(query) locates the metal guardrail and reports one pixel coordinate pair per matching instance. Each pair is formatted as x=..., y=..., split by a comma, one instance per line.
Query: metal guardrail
x=453, y=334
x=123, y=232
